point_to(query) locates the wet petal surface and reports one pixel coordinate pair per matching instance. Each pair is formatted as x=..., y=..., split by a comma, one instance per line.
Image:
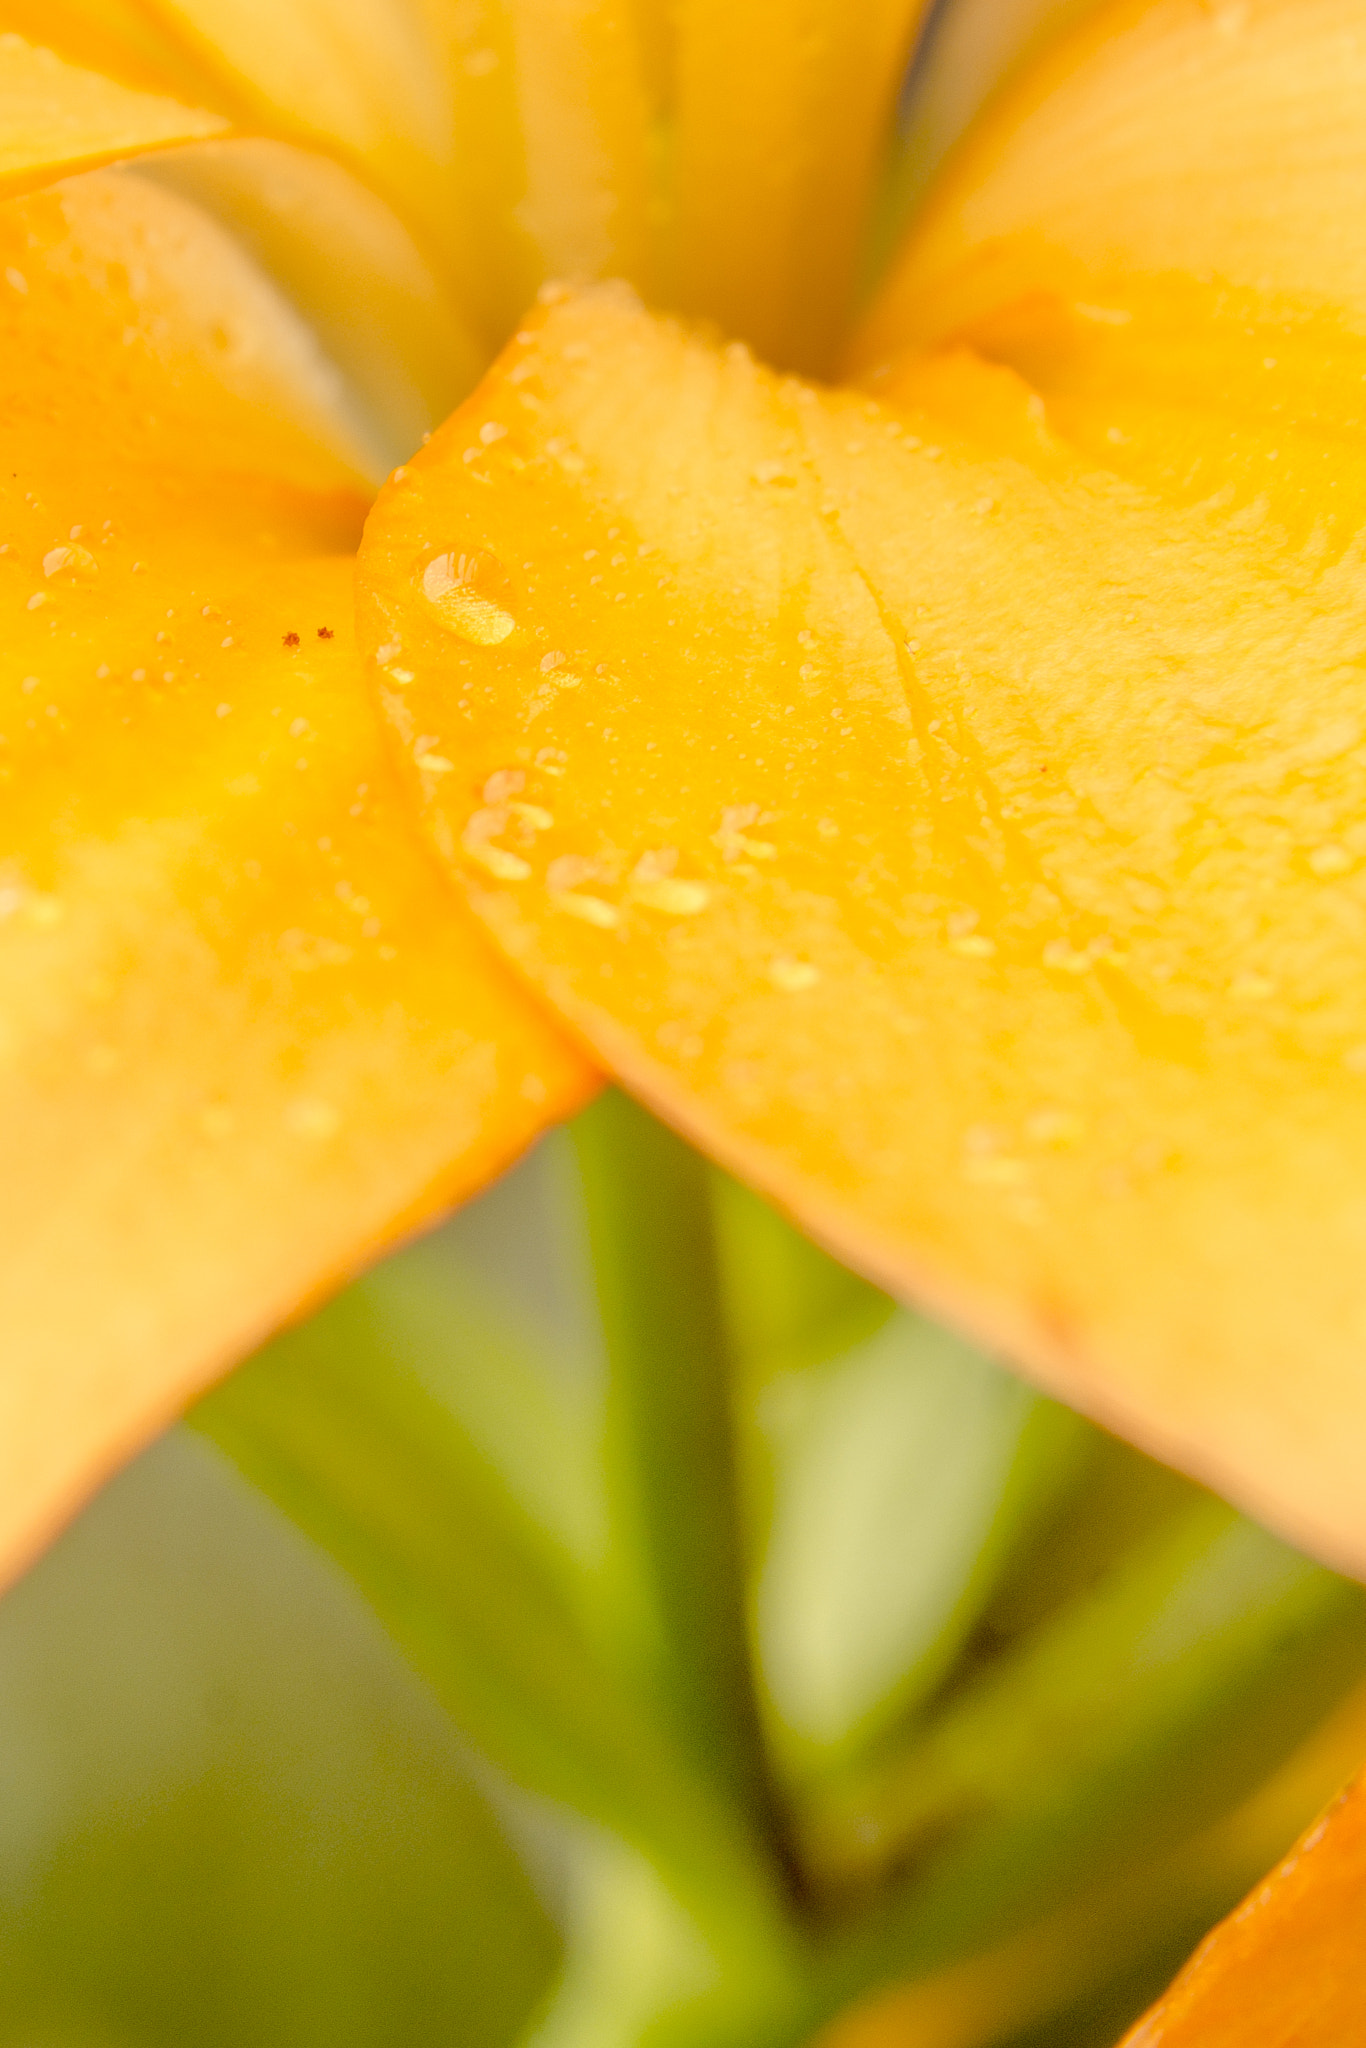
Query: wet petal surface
x=953, y=827
x=245, y=1034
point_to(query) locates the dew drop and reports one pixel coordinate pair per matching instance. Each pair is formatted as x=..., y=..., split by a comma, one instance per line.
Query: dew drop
x=470, y=594
x=69, y=560
x=791, y=976
x=310, y=1117
x=1065, y=958
x=675, y=898
x=995, y=1169
x=479, y=833
x=507, y=867
x=1054, y=1127
x=534, y=816
x=589, y=909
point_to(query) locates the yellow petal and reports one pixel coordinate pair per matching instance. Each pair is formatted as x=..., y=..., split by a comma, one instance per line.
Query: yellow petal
x=117, y=38
x=244, y=1037
x=377, y=306
x=969, y=49
x=365, y=79
x=556, y=158
x=936, y=825
x=780, y=115
x=57, y=117
x=515, y=139
x=1190, y=139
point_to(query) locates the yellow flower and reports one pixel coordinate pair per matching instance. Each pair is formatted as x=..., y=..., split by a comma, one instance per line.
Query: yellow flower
x=940, y=794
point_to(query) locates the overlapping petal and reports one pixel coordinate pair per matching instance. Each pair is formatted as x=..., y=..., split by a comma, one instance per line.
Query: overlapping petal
x=56, y=117
x=779, y=113
x=247, y=1036
x=943, y=798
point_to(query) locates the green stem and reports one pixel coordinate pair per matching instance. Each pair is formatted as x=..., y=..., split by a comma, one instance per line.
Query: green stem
x=669, y=1431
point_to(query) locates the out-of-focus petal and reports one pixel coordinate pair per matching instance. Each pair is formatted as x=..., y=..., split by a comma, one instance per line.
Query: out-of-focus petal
x=57, y=117
x=1213, y=140
x=959, y=837
x=515, y=137
x=379, y=309
x=969, y=47
x=363, y=77
x=245, y=1037
x=558, y=151
x=780, y=115
x=1284, y=1971
x=120, y=38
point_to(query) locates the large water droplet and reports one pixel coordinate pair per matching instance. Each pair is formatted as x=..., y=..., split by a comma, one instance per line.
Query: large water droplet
x=471, y=595
x=70, y=560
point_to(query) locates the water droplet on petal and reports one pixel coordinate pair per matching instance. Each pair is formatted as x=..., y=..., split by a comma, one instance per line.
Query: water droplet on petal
x=471, y=595
x=69, y=560
x=792, y=976
x=995, y=1169
x=311, y=1117
x=591, y=909
x=675, y=898
x=1056, y=1127
x=1066, y=958
x=507, y=867
x=480, y=831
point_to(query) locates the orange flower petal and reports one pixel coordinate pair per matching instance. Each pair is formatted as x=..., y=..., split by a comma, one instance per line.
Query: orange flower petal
x=959, y=840
x=1284, y=1971
x=57, y=117
x=245, y=1036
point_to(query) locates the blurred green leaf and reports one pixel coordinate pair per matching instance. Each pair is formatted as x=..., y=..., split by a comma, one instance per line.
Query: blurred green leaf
x=904, y=1475
x=642, y=1974
x=786, y=1301
x=1098, y=1743
x=228, y=1815
x=339, y=1422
